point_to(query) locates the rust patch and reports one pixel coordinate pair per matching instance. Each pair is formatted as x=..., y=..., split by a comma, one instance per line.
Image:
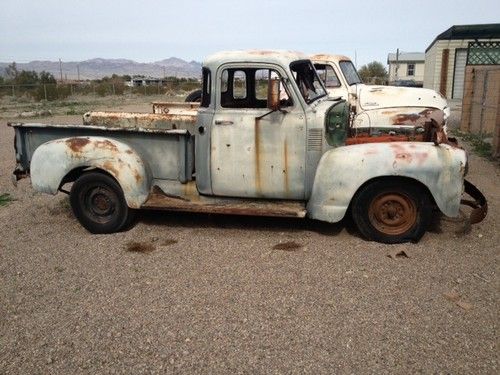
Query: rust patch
x=381, y=139
x=140, y=247
x=76, y=144
x=160, y=200
x=111, y=168
x=137, y=176
x=405, y=118
x=404, y=157
x=287, y=246
x=106, y=144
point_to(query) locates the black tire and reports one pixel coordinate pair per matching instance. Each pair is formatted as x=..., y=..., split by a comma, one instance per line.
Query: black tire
x=98, y=203
x=194, y=96
x=392, y=211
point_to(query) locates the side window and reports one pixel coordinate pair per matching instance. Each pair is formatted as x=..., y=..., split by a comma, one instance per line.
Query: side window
x=247, y=88
x=207, y=88
x=262, y=78
x=327, y=75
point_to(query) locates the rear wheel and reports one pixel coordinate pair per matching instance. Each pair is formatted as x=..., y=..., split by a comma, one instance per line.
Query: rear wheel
x=194, y=96
x=392, y=211
x=98, y=203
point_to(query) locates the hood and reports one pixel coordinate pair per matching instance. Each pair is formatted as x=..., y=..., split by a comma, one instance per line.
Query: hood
x=376, y=97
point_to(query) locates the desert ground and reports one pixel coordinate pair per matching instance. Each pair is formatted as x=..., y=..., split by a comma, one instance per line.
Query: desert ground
x=215, y=294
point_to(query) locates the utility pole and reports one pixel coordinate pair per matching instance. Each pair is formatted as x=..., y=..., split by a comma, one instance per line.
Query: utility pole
x=397, y=65
x=355, y=59
x=60, y=69
x=164, y=72
x=78, y=71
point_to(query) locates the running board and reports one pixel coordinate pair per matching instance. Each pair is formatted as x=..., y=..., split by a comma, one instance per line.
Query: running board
x=159, y=200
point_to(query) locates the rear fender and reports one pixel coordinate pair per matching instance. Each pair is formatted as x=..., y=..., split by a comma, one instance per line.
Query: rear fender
x=53, y=160
x=342, y=171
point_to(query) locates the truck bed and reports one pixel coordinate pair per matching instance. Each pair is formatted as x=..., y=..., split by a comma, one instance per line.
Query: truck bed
x=169, y=153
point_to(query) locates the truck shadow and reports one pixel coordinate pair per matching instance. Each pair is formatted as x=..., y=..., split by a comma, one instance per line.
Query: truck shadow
x=237, y=222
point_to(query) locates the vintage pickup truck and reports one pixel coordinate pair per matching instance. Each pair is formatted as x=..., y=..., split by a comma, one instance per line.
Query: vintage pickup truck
x=265, y=140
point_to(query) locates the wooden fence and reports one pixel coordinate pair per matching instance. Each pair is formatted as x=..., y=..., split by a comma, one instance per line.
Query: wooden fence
x=481, y=103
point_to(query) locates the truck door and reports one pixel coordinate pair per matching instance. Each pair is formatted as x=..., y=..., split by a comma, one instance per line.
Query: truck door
x=256, y=152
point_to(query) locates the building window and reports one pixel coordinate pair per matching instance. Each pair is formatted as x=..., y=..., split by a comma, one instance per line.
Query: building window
x=410, y=70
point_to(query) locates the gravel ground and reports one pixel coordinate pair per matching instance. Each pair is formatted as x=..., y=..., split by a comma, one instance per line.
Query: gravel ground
x=211, y=294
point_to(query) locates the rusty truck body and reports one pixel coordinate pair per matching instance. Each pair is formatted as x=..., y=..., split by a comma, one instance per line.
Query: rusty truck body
x=266, y=139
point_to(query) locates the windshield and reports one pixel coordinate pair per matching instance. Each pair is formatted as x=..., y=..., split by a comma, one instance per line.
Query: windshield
x=350, y=73
x=307, y=80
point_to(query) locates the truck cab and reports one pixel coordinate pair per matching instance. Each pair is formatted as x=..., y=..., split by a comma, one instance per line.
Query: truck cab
x=247, y=146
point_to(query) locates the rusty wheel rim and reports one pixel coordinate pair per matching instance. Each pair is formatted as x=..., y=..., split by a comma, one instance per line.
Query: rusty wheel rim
x=99, y=203
x=392, y=213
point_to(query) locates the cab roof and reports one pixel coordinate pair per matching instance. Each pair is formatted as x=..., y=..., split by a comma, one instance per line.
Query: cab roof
x=280, y=57
x=326, y=57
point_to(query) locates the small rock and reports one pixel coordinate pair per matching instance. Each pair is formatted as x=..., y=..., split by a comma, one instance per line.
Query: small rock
x=452, y=296
x=464, y=305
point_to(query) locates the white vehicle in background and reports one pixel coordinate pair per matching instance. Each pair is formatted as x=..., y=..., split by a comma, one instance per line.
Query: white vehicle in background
x=379, y=110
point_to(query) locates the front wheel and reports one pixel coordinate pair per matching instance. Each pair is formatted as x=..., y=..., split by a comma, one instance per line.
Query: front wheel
x=392, y=211
x=98, y=203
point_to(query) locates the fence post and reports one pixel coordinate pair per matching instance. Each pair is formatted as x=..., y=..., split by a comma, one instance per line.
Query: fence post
x=114, y=89
x=13, y=91
x=45, y=91
x=145, y=90
x=71, y=89
x=158, y=87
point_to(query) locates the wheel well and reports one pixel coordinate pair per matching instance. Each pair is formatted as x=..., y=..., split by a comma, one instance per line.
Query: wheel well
x=395, y=179
x=76, y=173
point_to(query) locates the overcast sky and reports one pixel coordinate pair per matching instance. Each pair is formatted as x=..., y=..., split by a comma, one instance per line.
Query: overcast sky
x=152, y=30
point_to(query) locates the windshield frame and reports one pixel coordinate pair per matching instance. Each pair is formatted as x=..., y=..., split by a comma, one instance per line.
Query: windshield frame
x=346, y=76
x=312, y=86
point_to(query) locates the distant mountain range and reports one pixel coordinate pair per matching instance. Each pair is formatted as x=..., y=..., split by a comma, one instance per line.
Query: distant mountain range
x=98, y=68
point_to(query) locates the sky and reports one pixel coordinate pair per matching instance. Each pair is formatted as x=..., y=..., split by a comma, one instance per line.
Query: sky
x=152, y=30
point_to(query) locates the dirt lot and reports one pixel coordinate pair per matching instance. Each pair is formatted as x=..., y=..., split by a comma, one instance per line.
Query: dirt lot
x=210, y=294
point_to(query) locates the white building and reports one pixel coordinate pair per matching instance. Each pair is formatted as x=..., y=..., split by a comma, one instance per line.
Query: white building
x=447, y=56
x=406, y=66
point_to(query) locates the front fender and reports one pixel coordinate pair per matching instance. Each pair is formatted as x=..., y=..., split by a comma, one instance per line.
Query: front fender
x=342, y=171
x=53, y=160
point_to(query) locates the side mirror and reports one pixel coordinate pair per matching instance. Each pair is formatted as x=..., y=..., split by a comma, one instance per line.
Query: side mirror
x=273, y=94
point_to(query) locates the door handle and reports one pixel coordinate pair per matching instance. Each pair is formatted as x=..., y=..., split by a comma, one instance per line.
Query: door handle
x=223, y=122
